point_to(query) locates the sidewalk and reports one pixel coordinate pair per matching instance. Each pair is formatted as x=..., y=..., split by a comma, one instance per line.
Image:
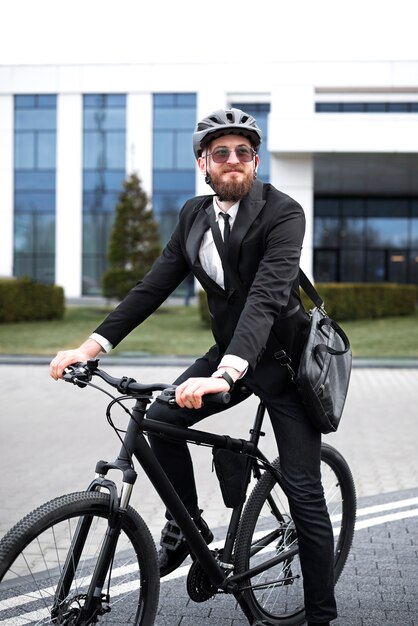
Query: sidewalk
x=377, y=436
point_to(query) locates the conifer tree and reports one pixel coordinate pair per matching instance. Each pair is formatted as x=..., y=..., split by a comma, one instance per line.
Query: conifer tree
x=134, y=242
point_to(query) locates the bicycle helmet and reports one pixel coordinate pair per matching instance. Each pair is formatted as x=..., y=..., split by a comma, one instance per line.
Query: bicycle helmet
x=225, y=122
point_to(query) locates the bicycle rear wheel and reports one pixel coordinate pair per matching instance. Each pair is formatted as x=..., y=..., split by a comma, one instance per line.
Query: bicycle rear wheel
x=275, y=594
x=34, y=554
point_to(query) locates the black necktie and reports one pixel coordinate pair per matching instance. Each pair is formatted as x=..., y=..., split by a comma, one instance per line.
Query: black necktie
x=227, y=229
x=227, y=232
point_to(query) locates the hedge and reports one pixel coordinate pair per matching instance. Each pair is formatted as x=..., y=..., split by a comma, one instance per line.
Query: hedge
x=22, y=299
x=351, y=301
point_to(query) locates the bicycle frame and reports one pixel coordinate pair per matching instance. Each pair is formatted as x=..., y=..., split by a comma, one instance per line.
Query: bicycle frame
x=135, y=443
x=218, y=570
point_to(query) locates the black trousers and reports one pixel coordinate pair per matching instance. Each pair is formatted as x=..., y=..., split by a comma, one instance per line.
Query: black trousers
x=299, y=446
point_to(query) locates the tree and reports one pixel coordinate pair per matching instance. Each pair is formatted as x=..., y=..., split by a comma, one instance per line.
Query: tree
x=134, y=242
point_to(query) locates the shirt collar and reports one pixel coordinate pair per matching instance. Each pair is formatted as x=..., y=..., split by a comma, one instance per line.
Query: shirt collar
x=232, y=212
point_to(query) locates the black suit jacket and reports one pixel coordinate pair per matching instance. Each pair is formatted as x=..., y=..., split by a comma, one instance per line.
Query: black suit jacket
x=264, y=250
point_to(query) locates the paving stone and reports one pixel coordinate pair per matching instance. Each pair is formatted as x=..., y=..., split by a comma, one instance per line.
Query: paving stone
x=378, y=434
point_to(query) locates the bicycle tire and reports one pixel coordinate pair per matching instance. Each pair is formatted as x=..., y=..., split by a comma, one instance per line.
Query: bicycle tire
x=275, y=596
x=33, y=554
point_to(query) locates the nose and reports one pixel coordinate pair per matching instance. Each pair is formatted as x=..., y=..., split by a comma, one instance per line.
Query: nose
x=233, y=157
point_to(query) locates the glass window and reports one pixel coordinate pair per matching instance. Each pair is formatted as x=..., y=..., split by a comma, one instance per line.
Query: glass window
x=397, y=266
x=260, y=111
x=46, y=147
x=398, y=107
x=115, y=150
x=327, y=107
x=35, y=180
x=163, y=152
x=35, y=119
x=34, y=202
x=352, y=107
x=352, y=207
x=180, y=119
x=414, y=231
x=376, y=107
x=34, y=187
x=174, y=180
x=327, y=207
x=352, y=232
x=351, y=265
x=100, y=201
x=184, y=157
x=387, y=207
x=386, y=232
x=325, y=266
x=25, y=102
x=104, y=119
x=107, y=180
x=174, y=166
x=375, y=266
x=164, y=100
x=104, y=148
x=326, y=232
x=25, y=150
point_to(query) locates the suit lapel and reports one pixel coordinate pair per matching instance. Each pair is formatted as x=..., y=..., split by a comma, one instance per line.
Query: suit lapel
x=199, y=227
x=248, y=211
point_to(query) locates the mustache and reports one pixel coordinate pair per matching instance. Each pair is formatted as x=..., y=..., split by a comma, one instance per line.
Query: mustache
x=233, y=168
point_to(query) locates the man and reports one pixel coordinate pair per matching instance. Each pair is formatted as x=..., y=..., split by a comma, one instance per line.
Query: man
x=263, y=231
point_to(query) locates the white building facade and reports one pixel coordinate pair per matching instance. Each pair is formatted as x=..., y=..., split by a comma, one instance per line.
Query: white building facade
x=341, y=138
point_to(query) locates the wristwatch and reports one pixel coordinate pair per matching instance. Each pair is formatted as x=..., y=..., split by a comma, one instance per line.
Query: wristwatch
x=226, y=377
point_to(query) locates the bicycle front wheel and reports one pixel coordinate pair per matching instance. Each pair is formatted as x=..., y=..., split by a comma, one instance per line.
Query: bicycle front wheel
x=39, y=553
x=267, y=540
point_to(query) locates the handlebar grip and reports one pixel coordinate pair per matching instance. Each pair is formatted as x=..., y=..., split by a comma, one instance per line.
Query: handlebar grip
x=168, y=396
x=222, y=397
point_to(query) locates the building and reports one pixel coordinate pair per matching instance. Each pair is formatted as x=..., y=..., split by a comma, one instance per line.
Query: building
x=340, y=137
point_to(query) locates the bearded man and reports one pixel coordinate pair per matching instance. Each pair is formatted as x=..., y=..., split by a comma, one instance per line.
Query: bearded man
x=262, y=231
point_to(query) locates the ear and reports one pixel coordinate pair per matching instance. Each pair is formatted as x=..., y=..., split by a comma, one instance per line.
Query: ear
x=201, y=162
x=256, y=162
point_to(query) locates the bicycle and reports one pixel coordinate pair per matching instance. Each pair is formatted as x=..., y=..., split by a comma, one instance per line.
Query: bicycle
x=89, y=556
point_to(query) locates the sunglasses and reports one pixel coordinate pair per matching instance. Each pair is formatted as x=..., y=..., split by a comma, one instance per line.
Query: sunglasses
x=244, y=154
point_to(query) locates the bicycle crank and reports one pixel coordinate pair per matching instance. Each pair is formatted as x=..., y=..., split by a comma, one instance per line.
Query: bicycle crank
x=198, y=584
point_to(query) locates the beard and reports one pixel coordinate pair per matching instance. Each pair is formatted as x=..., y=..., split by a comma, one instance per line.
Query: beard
x=232, y=190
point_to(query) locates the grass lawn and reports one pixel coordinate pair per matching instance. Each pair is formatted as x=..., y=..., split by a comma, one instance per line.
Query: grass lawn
x=178, y=330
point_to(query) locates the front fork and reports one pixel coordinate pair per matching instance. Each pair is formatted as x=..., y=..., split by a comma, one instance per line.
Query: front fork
x=118, y=505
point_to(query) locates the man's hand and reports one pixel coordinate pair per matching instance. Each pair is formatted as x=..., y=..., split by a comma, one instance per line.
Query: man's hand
x=189, y=394
x=88, y=350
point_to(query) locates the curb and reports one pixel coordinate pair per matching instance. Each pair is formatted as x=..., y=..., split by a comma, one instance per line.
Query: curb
x=185, y=361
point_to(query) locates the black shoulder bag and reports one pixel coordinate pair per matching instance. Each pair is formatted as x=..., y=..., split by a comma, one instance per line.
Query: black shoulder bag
x=325, y=365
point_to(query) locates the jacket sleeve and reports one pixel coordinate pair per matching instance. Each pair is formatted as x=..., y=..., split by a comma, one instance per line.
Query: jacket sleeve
x=167, y=273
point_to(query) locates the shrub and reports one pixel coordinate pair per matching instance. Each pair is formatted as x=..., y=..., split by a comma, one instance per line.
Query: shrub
x=351, y=301
x=22, y=299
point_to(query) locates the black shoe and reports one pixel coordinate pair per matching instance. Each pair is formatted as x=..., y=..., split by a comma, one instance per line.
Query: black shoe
x=319, y=624
x=174, y=548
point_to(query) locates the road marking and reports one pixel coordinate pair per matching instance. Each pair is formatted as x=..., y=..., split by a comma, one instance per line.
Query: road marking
x=182, y=571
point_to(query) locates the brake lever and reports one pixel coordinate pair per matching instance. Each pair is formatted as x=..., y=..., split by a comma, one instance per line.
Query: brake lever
x=77, y=373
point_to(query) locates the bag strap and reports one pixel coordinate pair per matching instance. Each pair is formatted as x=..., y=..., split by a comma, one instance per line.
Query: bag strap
x=234, y=279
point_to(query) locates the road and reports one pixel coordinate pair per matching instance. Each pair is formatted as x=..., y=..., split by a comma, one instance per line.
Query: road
x=53, y=433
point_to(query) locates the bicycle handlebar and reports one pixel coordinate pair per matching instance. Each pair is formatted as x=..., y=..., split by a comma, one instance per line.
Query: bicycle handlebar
x=80, y=374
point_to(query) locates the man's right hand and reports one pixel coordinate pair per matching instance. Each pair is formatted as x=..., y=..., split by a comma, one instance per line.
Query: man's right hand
x=88, y=350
